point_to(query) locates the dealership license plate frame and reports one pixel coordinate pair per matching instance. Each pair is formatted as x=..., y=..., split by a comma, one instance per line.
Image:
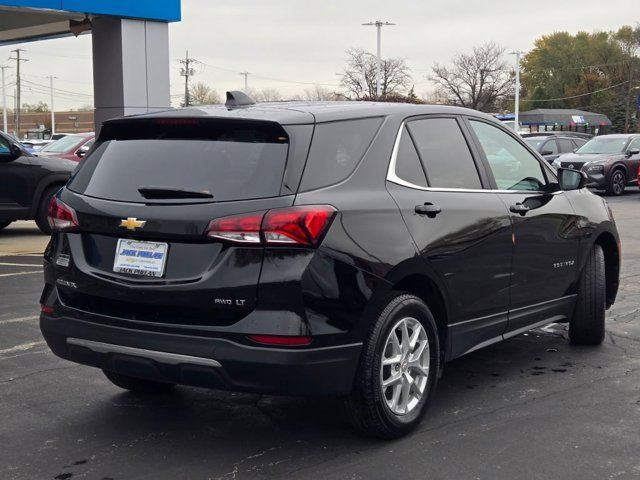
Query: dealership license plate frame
x=146, y=264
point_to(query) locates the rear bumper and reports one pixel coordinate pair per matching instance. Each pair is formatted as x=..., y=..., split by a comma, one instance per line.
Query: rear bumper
x=204, y=362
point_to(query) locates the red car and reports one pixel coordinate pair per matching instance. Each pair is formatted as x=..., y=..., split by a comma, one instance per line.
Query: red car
x=71, y=147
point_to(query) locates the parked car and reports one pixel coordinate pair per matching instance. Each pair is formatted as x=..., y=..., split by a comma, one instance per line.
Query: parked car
x=33, y=146
x=27, y=183
x=610, y=161
x=69, y=146
x=561, y=133
x=345, y=249
x=552, y=146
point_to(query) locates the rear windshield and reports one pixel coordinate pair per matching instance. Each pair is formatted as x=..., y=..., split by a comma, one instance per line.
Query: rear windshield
x=231, y=160
x=64, y=144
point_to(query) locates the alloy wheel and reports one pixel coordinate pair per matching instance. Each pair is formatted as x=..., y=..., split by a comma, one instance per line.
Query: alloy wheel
x=618, y=182
x=404, y=370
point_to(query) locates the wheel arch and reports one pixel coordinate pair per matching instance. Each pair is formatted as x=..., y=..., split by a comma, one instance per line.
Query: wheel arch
x=425, y=288
x=610, y=248
x=43, y=186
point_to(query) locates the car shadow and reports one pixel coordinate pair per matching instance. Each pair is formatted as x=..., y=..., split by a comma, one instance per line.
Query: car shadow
x=249, y=431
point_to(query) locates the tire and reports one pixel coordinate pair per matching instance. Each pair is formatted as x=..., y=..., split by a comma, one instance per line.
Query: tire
x=138, y=385
x=586, y=327
x=4, y=225
x=617, y=183
x=43, y=207
x=368, y=406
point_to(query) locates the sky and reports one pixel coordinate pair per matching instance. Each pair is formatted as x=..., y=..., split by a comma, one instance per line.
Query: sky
x=290, y=45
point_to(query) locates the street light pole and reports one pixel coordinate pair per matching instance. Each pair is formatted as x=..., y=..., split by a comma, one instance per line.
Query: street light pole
x=516, y=108
x=378, y=24
x=53, y=113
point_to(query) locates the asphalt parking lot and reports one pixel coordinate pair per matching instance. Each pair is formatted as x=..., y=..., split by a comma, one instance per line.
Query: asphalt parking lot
x=532, y=407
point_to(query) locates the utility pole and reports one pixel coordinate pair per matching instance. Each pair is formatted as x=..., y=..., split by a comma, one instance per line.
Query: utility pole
x=53, y=112
x=17, y=58
x=4, y=100
x=246, y=83
x=187, y=71
x=378, y=24
x=516, y=108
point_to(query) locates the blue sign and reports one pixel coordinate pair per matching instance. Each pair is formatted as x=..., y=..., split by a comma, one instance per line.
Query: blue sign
x=160, y=10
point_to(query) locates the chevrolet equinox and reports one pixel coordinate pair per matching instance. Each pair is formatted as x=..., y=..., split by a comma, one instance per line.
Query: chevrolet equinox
x=344, y=249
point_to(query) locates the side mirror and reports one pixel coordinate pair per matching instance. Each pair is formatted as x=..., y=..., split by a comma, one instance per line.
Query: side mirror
x=632, y=152
x=82, y=151
x=571, y=179
x=546, y=152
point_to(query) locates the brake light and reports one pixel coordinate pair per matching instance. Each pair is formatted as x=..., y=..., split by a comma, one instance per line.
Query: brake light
x=303, y=225
x=284, y=341
x=46, y=309
x=237, y=228
x=61, y=217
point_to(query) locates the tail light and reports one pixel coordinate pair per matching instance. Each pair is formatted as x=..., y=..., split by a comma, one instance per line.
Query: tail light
x=61, y=217
x=302, y=226
x=237, y=228
x=46, y=309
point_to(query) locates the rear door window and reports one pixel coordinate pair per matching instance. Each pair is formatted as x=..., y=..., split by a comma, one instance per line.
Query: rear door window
x=566, y=145
x=408, y=167
x=336, y=150
x=230, y=160
x=444, y=153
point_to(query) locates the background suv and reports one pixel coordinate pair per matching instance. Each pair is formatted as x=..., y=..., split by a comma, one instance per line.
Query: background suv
x=344, y=249
x=27, y=183
x=610, y=161
x=552, y=146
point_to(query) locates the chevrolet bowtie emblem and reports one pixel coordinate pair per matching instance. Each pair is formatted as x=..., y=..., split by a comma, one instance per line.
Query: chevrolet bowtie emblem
x=132, y=223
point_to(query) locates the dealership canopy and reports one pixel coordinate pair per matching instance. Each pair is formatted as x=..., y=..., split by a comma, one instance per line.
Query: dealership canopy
x=130, y=45
x=564, y=117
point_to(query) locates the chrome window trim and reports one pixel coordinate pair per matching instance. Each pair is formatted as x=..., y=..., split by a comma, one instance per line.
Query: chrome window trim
x=393, y=177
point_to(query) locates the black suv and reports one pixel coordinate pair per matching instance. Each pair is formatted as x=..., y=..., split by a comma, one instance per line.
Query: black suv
x=27, y=183
x=346, y=249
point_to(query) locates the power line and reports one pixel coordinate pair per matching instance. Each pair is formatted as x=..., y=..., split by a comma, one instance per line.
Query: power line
x=577, y=96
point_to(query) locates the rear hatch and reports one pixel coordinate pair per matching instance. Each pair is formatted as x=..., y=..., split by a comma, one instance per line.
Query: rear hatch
x=144, y=198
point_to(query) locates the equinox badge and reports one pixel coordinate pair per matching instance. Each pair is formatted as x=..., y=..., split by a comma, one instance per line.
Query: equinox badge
x=132, y=223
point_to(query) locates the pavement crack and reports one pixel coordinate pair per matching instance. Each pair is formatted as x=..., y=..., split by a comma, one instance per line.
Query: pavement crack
x=22, y=377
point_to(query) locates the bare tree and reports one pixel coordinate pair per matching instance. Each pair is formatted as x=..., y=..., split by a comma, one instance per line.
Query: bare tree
x=202, y=94
x=480, y=80
x=319, y=93
x=359, y=76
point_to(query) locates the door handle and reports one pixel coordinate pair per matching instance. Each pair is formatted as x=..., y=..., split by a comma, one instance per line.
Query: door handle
x=520, y=208
x=428, y=209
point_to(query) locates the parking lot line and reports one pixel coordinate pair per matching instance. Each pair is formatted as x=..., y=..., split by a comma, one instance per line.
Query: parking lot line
x=7, y=264
x=22, y=347
x=19, y=319
x=19, y=273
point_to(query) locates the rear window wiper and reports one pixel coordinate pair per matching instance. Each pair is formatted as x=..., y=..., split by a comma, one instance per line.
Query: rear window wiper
x=172, y=192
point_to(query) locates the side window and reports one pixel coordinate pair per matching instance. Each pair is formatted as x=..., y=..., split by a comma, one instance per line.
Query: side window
x=408, y=167
x=635, y=143
x=336, y=149
x=566, y=145
x=513, y=167
x=551, y=147
x=444, y=153
x=5, y=149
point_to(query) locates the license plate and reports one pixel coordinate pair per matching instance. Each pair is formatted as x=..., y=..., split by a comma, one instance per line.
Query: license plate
x=140, y=258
